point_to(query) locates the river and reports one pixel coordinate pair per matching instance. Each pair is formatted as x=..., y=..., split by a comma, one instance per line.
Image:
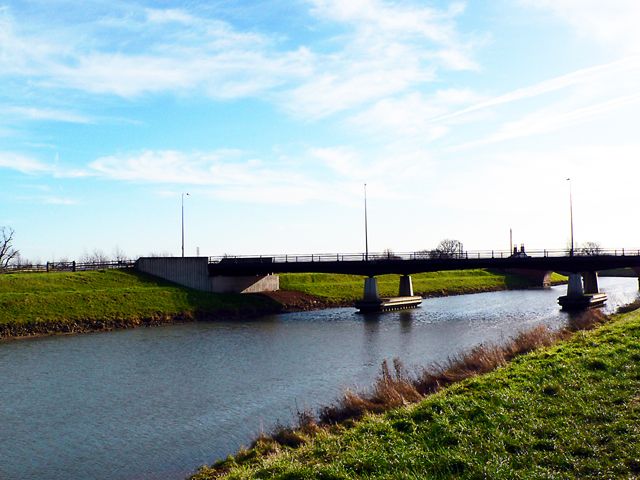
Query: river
x=155, y=403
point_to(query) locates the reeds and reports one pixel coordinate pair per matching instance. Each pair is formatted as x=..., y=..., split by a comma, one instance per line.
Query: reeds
x=396, y=386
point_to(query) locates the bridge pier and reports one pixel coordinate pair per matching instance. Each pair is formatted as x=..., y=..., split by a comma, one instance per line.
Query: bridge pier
x=582, y=292
x=590, y=282
x=406, y=286
x=637, y=270
x=371, y=289
x=371, y=301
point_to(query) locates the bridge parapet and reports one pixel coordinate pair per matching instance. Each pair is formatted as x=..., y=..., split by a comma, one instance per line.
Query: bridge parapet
x=415, y=262
x=419, y=255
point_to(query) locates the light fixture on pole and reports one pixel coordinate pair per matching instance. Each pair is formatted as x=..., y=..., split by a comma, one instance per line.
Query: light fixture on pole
x=571, y=214
x=366, y=235
x=182, y=205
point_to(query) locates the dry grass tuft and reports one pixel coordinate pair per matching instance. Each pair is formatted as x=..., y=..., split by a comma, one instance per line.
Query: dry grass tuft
x=586, y=320
x=635, y=305
x=395, y=386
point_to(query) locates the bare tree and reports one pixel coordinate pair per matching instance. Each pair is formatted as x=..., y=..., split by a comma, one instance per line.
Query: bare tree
x=119, y=255
x=98, y=256
x=447, y=248
x=590, y=248
x=7, y=253
x=390, y=255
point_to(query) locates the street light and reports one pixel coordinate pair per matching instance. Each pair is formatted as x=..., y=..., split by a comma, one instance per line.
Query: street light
x=571, y=213
x=366, y=236
x=182, y=205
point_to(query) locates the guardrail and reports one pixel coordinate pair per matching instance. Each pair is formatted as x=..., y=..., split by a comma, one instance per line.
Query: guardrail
x=67, y=266
x=420, y=255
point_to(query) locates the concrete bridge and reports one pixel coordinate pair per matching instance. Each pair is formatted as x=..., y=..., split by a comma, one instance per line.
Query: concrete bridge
x=258, y=273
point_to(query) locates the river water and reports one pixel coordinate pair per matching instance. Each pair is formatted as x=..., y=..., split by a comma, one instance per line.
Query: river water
x=155, y=403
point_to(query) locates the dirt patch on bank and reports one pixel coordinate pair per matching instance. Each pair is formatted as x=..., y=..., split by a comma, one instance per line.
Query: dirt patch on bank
x=297, y=301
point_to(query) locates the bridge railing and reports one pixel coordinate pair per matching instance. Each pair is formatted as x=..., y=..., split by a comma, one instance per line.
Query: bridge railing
x=420, y=255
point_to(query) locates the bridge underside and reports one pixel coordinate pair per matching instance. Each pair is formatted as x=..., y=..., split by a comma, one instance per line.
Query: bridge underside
x=262, y=266
x=259, y=274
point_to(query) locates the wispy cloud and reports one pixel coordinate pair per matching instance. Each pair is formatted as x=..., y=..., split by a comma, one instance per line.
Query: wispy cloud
x=617, y=69
x=30, y=165
x=23, y=164
x=47, y=114
x=614, y=24
x=184, y=53
x=383, y=49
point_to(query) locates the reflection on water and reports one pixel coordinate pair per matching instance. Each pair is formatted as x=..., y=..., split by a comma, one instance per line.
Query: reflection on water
x=157, y=402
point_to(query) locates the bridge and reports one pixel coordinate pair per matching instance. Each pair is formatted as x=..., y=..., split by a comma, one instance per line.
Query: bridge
x=417, y=262
x=259, y=272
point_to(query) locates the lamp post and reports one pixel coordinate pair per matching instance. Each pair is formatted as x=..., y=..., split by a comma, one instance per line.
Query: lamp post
x=366, y=235
x=571, y=214
x=182, y=206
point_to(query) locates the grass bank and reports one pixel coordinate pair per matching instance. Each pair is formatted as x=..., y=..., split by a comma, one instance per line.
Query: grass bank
x=566, y=411
x=74, y=302
x=39, y=303
x=341, y=289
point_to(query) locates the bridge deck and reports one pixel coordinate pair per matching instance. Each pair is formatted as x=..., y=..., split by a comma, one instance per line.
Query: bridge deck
x=417, y=262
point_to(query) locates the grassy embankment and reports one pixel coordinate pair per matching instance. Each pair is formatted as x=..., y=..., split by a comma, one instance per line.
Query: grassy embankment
x=338, y=289
x=42, y=303
x=38, y=303
x=566, y=411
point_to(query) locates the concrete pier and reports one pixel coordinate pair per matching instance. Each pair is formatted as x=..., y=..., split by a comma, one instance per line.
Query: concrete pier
x=372, y=302
x=406, y=286
x=371, y=289
x=590, y=282
x=581, y=296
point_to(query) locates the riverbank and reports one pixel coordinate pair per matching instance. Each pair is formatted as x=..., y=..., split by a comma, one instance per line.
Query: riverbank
x=78, y=302
x=340, y=290
x=566, y=411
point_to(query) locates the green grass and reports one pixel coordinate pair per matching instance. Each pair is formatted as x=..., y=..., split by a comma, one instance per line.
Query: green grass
x=342, y=288
x=55, y=299
x=79, y=301
x=568, y=411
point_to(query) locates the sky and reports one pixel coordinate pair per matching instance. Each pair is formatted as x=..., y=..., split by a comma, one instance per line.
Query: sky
x=464, y=120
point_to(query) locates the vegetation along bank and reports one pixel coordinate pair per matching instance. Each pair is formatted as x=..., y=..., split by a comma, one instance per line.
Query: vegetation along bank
x=555, y=405
x=74, y=302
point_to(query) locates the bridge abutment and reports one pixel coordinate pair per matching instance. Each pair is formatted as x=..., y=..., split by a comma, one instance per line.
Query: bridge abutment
x=193, y=272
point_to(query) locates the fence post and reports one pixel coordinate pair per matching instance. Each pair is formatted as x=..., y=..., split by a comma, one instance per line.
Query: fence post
x=47, y=267
x=73, y=266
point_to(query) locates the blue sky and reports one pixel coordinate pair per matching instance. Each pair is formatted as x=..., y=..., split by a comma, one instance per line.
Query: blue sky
x=463, y=118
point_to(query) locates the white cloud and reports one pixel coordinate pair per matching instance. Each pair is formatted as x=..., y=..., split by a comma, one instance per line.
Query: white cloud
x=59, y=201
x=48, y=114
x=618, y=70
x=23, y=163
x=586, y=95
x=613, y=23
x=32, y=166
x=208, y=56
x=413, y=115
x=169, y=15
x=385, y=49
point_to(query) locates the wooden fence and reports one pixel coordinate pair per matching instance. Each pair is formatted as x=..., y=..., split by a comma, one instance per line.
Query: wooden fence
x=68, y=266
